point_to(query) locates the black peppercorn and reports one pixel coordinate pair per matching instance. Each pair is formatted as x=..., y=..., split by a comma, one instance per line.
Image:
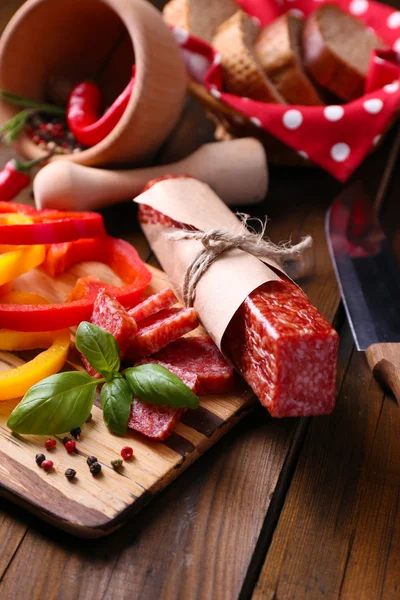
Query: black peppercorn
x=91, y=460
x=70, y=474
x=39, y=459
x=76, y=432
x=65, y=439
x=95, y=468
x=116, y=464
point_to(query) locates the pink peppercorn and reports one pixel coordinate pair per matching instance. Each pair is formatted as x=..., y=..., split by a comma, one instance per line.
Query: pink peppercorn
x=47, y=465
x=126, y=452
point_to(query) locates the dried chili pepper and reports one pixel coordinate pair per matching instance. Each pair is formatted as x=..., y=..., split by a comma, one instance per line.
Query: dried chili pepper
x=83, y=112
x=15, y=177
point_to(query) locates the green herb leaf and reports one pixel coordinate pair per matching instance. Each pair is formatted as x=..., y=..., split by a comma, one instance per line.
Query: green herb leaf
x=155, y=384
x=99, y=347
x=116, y=400
x=57, y=404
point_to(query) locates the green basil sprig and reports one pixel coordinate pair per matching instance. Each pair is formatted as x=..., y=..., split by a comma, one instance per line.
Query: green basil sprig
x=63, y=402
x=57, y=404
x=99, y=347
x=116, y=401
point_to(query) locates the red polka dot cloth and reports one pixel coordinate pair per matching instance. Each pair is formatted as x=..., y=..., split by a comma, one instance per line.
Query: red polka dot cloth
x=337, y=138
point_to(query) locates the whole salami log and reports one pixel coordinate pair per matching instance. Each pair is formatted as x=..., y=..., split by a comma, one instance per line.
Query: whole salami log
x=275, y=337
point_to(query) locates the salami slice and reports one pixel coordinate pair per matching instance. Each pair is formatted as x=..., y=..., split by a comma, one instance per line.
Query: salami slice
x=154, y=421
x=281, y=345
x=153, y=304
x=109, y=314
x=160, y=329
x=200, y=365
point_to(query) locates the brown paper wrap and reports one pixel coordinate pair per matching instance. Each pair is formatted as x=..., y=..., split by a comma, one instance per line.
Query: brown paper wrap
x=230, y=279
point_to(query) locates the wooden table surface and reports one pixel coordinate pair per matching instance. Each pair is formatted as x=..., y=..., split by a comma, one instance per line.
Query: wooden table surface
x=279, y=509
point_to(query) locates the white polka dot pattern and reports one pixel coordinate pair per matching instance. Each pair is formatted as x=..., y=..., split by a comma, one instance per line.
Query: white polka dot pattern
x=292, y=119
x=180, y=35
x=358, y=7
x=340, y=152
x=393, y=21
x=333, y=112
x=256, y=121
x=392, y=88
x=373, y=106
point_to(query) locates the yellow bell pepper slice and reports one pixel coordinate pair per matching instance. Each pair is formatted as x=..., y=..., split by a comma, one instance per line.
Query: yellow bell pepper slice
x=17, y=260
x=14, y=383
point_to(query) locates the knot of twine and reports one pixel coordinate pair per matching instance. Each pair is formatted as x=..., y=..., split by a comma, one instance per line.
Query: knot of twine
x=218, y=241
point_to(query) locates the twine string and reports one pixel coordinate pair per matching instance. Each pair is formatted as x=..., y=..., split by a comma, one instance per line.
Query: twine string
x=217, y=241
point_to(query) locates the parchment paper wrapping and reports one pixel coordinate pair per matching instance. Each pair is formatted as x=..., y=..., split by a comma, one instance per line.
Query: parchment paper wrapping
x=230, y=279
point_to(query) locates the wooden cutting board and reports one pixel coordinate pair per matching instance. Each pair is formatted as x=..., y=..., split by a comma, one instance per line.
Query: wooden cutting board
x=96, y=506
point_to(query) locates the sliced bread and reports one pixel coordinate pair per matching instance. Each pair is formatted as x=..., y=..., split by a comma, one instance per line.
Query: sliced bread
x=242, y=73
x=337, y=50
x=199, y=17
x=278, y=49
x=176, y=14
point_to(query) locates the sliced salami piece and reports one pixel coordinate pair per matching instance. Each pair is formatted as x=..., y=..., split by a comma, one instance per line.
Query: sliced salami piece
x=285, y=350
x=154, y=421
x=109, y=314
x=153, y=304
x=200, y=365
x=160, y=329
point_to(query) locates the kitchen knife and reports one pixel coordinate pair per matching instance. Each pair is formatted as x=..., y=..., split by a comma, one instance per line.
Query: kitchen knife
x=368, y=275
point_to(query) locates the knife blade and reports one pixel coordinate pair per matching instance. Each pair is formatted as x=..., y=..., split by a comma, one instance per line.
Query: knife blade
x=368, y=274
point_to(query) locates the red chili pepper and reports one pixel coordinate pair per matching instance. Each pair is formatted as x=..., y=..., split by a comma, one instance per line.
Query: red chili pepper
x=83, y=111
x=15, y=177
x=50, y=226
x=120, y=256
x=83, y=105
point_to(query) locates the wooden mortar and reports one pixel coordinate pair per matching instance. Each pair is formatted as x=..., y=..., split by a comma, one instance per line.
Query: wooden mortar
x=67, y=41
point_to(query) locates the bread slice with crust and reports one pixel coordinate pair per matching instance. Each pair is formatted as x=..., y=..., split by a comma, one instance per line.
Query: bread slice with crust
x=337, y=50
x=242, y=73
x=278, y=49
x=199, y=17
x=176, y=14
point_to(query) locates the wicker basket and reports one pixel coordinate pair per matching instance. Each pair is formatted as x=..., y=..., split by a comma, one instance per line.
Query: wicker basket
x=232, y=124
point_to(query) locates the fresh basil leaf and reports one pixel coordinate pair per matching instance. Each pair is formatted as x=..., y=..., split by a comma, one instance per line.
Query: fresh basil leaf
x=116, y=401
x=99, y=347
x=155, y=384
x=57, y=404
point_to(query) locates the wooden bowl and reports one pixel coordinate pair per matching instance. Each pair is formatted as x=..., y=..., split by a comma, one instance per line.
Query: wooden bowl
x=67, y=41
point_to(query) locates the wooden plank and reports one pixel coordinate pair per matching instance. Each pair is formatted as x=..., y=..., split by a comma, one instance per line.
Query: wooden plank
x=343, y=504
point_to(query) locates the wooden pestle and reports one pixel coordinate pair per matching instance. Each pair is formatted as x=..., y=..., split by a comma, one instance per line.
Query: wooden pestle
x=236, y=170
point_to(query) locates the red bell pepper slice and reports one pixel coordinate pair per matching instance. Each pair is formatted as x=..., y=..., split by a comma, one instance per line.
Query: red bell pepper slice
x=51, y=227
x=119, y=255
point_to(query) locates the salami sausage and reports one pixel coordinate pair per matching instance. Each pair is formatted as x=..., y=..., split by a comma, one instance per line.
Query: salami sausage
x=280, y=344
x=285, y=350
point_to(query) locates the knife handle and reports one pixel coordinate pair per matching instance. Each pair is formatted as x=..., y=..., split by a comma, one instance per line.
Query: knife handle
x=384, y=361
